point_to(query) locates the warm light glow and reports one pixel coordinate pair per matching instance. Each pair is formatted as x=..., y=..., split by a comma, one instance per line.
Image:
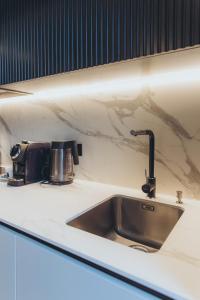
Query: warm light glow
x=125, y=84
x=128, y=84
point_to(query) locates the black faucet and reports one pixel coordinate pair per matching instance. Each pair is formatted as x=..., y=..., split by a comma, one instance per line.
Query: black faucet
x=150, y=186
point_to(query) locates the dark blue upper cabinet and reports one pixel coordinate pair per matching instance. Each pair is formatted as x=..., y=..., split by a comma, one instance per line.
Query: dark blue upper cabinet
x=43, y=37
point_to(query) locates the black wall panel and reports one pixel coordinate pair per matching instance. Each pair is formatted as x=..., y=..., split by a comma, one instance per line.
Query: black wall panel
x=42, y=37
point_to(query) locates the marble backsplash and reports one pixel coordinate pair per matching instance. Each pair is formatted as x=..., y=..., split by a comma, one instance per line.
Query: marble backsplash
x=102, y=121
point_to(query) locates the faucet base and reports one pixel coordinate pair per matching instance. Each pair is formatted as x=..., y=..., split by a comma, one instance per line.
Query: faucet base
x=150, y=187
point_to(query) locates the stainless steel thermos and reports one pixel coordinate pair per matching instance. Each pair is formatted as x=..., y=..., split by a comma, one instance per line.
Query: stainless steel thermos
x=63, y=157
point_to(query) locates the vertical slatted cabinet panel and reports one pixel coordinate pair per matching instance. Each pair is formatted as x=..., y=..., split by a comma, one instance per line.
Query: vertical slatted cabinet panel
x=43, y=37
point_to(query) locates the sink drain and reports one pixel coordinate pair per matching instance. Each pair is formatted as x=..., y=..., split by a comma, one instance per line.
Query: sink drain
x=140, y=248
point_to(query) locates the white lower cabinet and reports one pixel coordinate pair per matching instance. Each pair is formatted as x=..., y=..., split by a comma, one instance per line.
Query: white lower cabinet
x=46, y=274
x=7, y=264
x=30, y=270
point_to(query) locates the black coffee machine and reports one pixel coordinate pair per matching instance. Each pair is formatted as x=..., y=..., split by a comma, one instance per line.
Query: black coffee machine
x=30, y=163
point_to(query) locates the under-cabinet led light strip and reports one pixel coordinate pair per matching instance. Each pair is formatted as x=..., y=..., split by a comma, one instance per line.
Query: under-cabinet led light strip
x=127, y=84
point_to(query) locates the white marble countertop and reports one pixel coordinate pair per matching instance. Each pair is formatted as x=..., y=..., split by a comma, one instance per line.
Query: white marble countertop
x=43, y=211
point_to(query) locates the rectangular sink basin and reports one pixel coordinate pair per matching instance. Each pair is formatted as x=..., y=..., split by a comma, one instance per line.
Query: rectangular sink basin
x=140, y=224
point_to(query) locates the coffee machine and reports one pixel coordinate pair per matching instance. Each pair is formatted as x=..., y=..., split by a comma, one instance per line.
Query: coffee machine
x=30, y=163
x=63, y=156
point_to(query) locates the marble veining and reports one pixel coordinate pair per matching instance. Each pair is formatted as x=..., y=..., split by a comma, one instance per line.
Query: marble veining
x=5, y=125
x=102, y=122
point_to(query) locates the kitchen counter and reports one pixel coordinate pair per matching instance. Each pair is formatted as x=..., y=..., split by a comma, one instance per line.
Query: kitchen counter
x=43, y=210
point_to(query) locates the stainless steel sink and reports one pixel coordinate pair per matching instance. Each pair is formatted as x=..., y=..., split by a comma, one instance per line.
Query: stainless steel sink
x=140, y=224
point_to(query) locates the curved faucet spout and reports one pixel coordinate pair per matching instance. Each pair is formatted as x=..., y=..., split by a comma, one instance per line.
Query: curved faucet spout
x=150, y=185
x=142, y=132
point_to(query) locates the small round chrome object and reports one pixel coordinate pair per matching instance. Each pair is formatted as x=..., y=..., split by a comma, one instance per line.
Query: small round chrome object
x=179, y=195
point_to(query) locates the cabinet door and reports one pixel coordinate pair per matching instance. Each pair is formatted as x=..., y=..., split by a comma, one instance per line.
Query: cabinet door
x=45, y=274
x=7, y=264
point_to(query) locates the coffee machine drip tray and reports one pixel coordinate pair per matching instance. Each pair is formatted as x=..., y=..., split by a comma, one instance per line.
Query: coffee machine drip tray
x=16, y=182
